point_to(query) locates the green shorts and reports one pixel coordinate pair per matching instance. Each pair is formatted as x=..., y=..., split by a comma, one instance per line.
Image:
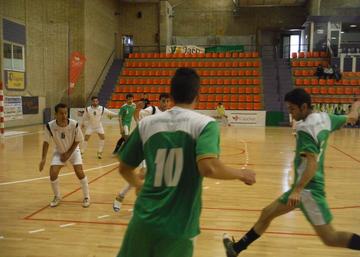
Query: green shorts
x=142, y=241
x=313, y=205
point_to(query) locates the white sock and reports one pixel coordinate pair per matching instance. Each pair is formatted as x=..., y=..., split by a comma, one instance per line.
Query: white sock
x=125, y=190
x=101, y=145
x=84, y=146
x=55, y=187
x=85, y=187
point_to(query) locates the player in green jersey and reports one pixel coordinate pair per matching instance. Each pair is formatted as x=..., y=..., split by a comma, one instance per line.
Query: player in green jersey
x=126, y=114
x=308, y=191
x=180, y=147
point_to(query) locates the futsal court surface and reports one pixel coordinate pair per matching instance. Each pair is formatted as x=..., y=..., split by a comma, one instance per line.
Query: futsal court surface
x=30, y=228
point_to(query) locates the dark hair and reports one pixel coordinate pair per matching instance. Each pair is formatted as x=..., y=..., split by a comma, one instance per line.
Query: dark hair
x=219, y=103
x=94, y=97
x=185, y=85
x=60, y=105
x=164, y=95
x=298, y=97
x=129, y=96
x=146, y=102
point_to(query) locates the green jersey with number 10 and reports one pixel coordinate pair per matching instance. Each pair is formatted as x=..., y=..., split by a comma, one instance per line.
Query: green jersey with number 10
x=312, y=137
x=171, y=144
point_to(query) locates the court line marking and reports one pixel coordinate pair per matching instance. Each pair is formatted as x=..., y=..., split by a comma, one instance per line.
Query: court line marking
x=202, y=228
x=219, y=208
x=61, y=175
x=36, y=231
x=103, y=216
x=246, y=153
x=68, y=194
x=24, y=134
x=67, y=225
x=348, y=155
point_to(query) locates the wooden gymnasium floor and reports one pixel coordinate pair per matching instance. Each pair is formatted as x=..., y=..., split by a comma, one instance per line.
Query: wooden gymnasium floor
x=28, y=227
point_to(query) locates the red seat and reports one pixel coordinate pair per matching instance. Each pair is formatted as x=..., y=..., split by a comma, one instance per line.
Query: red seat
x=242, y=98
x=233, y=106
x=257, y=98
x=249, y=98
x=249, y=106
x=314, y=82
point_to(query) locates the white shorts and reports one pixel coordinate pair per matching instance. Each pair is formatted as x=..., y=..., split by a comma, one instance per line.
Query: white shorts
x=90, y=130
x=126, y=130
x=75, y=158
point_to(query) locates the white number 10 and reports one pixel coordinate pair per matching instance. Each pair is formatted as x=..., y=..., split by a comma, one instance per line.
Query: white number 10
x=169, y=165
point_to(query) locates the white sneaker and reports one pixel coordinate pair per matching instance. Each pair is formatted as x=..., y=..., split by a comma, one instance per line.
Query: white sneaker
x=55, y=202
x=86, y=202
x=117, y=203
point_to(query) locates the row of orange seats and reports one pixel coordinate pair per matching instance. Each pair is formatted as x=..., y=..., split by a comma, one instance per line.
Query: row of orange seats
x=333, y=90
x=230, y=90
x=327, y=82
x=122, y=97
x=142, y=89
x=194, y=55
x=304, y=73
x=156, y=81
x=332, y=100
x=309, y=63
x=351, y=74
x=230, y=106
x=199, y=64
x=205, y=105
x=203, y=89
x=205, y=73
x=229, y=98
x=309, y=55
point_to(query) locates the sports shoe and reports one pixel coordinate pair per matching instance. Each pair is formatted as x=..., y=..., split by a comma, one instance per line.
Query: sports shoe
x=99, y=155
x=86, y=202
x=117, y=203
x=55, y=202
x=229, y=246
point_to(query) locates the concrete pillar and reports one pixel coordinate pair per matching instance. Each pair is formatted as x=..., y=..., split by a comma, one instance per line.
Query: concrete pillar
x=165, y=24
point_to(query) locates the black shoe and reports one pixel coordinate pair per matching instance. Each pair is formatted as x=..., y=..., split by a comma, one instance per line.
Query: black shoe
x=229, y=246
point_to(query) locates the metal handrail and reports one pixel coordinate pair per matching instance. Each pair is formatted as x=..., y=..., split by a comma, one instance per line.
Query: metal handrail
x=100, y=75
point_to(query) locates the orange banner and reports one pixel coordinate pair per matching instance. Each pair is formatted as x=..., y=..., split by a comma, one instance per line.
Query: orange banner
x=77, y=62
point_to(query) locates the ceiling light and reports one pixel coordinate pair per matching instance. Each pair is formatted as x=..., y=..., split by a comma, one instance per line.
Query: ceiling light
x=353, y=26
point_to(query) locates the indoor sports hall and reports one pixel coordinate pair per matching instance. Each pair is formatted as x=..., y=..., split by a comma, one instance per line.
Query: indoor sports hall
x=248, y=55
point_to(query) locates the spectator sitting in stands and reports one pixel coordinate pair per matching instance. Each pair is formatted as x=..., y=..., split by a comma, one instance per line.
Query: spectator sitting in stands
x=328, y=72
x=319, y=71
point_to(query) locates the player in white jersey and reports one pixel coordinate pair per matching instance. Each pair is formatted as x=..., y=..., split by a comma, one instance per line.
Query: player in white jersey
x=92, y=119
x=67, y=136
x=164, y=102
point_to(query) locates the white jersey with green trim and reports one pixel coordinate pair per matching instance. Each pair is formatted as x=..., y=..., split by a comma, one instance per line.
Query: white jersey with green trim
x=312, y=137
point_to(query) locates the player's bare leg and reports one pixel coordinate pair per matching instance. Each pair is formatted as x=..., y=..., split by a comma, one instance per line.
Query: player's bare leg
x=54, y=174
x=84, y=184
x=101, y=145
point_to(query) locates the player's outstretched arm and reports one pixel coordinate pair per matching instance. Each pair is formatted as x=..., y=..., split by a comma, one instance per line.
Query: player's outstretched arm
x=214, y=168
x=128, y=173
x=309, y=173
x=109, y=113
x=43, y=156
